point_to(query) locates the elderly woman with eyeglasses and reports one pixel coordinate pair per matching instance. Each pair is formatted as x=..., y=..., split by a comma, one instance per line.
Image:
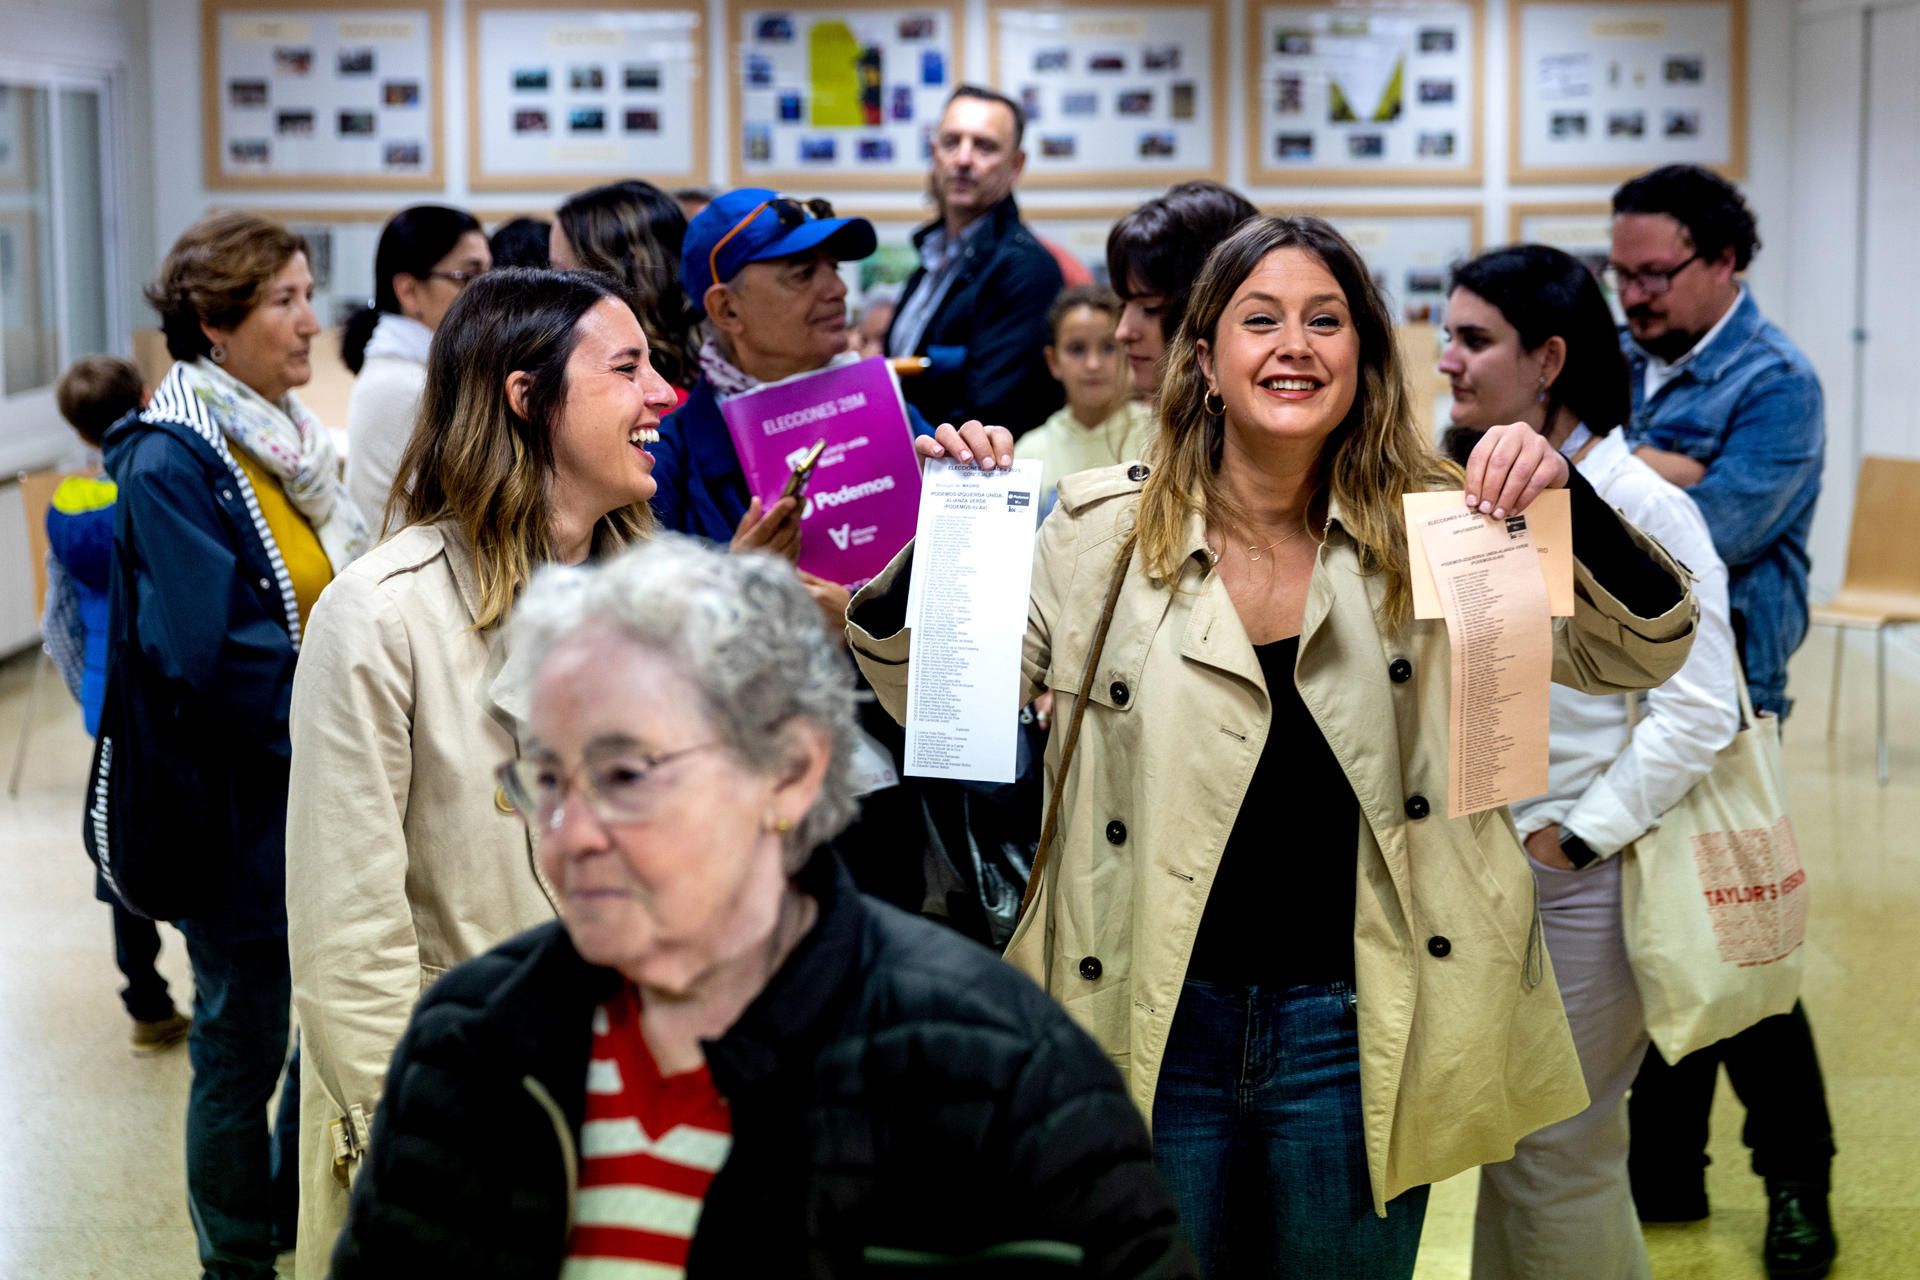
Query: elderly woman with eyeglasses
x=724, y=1061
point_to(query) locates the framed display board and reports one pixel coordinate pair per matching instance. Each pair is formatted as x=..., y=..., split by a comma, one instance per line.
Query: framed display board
x=1581, y=228
x=581, y=94
x=1410, y=249
x=1604, y=89
x=348, y=90
x=1368, y=92
x=1115, y=94
x=839, y=96
x=341, y=244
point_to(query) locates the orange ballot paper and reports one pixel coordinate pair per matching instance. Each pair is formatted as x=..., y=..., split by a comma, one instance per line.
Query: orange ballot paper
x=1549, y=521
x=1487, y=574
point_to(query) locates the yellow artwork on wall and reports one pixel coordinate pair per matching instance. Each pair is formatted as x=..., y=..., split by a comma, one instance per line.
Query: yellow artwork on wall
x=833, y=70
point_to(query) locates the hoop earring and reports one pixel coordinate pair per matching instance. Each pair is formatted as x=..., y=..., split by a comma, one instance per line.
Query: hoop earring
x=1206, y=402
x=217, y=354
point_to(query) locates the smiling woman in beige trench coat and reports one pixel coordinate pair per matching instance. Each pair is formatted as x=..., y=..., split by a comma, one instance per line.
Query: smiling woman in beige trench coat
x=1285, y=368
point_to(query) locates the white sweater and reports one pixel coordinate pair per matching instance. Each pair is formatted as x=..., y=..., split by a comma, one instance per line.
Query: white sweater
x=381, y=410
x=1605, y=784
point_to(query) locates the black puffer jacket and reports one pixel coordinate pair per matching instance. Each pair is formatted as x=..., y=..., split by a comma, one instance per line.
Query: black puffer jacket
x=894, y=1088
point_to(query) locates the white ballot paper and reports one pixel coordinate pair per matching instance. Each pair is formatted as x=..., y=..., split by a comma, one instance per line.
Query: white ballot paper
x=1494, y=595
x=967, y=605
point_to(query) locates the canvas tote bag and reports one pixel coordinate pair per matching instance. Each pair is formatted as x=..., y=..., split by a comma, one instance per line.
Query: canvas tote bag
x=1715, y=899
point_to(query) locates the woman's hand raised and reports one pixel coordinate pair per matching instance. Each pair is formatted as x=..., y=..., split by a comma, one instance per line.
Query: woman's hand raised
x=1510, y=467
x=971, y=441
x=777, y=531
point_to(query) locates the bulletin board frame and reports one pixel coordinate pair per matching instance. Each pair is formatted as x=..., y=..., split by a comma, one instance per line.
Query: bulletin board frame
x=1519, y=211
x=1522, y=104
x=1474, y=215
x=1263, y=172
x=891, y=223
x=1039, y=178
x=839, y=177
x=212, y=74
x=479, y=178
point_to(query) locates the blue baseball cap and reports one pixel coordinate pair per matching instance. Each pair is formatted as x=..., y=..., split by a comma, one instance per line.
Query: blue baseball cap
x=782, y=227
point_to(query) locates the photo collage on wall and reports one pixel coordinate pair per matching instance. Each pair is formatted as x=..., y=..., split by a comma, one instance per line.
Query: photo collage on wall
x=1359, y=89
x=317, y=93
x=850, y=94
x=1112, y=90
x=584, y=92
x=1619, y=87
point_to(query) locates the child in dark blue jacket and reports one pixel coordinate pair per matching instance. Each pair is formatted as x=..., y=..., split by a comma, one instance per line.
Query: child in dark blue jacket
x=94, y=394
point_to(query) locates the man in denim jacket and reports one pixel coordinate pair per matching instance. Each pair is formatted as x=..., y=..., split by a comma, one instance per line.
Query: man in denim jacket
x=1727, y=408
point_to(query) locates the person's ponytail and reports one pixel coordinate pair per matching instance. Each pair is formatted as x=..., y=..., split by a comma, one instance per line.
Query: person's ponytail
x=355, y=336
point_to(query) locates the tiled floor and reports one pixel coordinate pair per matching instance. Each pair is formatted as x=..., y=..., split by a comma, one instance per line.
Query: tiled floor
x=91, y=1137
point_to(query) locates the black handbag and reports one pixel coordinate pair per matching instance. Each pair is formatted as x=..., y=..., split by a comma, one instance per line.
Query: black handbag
x=156, y=825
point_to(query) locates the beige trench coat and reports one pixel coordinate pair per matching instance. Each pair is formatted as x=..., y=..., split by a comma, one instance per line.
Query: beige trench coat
x=1461, y=1054
x=402, y=860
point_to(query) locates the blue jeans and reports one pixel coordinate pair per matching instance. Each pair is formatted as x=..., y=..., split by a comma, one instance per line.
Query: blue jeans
x=242, y=1179
x=136, y=946
x=1257, y=1130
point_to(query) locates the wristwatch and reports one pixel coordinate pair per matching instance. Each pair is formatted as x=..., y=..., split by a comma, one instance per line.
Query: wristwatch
x=1576, y=850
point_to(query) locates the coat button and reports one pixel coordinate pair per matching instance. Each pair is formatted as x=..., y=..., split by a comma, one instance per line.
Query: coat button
x=1400, y=671
x=1438, y=947
x=264, y=584
x=1118, y=691
x=1417, y=807
x=1116, y=832
x=226, y=495
x=1090, y=968
x=1139, y=471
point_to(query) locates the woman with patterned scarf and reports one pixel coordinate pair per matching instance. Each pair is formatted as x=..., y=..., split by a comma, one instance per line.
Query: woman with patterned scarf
x=232, y=518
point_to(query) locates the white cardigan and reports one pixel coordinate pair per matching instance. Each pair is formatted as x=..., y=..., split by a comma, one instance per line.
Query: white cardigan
x=1609, y=786
x=380, y=412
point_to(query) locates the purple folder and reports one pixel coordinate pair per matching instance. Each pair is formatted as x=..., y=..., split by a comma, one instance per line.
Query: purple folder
x=864, y=498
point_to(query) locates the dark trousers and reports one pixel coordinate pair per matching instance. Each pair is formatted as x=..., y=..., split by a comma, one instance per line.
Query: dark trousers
x=1776, y=1073
x=242, y=1177
x=136, y=945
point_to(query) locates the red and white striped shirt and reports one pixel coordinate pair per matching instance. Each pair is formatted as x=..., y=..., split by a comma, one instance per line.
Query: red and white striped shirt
x=648, y=1152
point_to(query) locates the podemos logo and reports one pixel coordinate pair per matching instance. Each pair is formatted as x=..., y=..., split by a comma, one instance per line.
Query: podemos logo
x=846, y=493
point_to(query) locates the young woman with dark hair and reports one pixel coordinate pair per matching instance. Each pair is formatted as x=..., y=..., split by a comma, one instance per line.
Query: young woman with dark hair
x=1154, y=254
x=633, y=231
x=531, y=448
x=427, y=255
x=1531, y=340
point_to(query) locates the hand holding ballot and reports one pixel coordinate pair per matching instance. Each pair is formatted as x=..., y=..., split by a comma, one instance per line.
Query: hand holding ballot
x=1511, y=466
x=971, y=440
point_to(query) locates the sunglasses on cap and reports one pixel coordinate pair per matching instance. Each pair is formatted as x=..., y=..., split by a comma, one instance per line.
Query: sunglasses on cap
x=792, y=213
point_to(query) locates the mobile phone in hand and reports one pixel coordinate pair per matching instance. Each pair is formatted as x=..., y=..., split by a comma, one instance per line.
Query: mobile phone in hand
x=802, y=472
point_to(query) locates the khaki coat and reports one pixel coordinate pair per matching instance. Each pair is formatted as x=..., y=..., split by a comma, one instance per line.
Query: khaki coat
x=1464, y=1046
x=402, y=857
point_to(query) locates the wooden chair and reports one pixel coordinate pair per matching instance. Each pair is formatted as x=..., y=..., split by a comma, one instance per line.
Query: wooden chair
x=1882, y=583
x=36, y=495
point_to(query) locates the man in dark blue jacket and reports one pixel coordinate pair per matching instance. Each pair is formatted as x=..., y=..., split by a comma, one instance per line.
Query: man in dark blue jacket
x=978, y=302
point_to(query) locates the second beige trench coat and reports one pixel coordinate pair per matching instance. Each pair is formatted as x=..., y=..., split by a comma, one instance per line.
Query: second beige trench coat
x=1464, y=1045
x=402, y=859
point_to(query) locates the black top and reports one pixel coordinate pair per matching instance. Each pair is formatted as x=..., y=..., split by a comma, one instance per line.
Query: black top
x=894, y=1086
x=1296, y=840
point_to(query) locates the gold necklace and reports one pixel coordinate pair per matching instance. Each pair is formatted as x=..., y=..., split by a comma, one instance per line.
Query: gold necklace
x=1254, y=553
